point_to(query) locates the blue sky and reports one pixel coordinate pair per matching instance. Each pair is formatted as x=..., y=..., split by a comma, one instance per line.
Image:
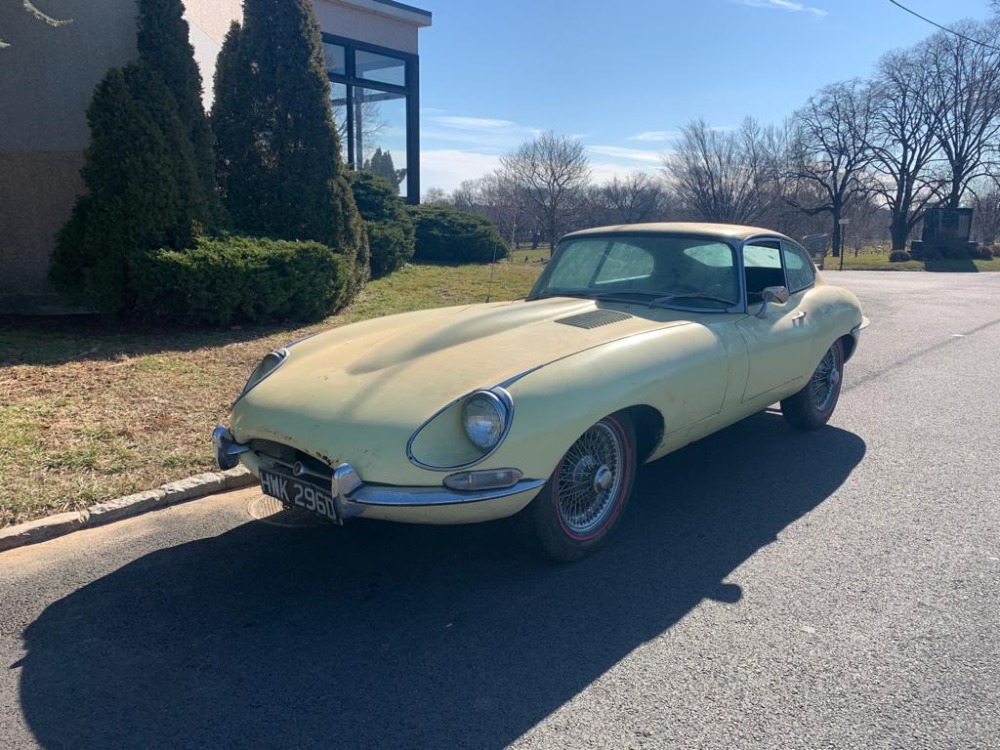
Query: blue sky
x=624, y=75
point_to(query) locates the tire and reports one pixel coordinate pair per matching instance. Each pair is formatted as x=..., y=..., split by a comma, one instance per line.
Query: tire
x=582, y=503
x=812, y=407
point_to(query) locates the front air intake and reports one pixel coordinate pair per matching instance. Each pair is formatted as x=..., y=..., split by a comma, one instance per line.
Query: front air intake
x=594, y=319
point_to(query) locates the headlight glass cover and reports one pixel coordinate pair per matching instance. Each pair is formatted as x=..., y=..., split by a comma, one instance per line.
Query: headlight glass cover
x=270, y=363
x=484, y=418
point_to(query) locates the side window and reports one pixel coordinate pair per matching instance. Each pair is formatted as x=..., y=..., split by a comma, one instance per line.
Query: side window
x=798, y=268
x=762, y=267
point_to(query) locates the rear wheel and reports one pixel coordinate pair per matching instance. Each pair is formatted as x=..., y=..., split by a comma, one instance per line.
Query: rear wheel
x=580, y=505
x=812, y=407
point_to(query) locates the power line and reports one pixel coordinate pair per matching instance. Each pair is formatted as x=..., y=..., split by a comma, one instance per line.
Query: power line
x=944, y=28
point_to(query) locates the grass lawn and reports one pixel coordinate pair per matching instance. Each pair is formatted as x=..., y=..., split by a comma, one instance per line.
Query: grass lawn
x=868, y=261
x=90, y=412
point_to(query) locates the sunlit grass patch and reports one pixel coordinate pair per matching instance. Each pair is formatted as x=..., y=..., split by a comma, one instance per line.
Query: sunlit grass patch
x=90, y=412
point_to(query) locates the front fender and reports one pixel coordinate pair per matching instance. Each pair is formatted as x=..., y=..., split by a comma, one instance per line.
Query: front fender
x=681, y=372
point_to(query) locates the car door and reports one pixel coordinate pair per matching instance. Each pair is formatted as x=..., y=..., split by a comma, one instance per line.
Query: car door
x=779, y=344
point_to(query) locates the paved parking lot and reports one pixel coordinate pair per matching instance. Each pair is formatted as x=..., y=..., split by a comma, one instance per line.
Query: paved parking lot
x=766, y=589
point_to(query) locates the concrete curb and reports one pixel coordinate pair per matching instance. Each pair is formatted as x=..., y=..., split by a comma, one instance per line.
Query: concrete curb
x=109, y=511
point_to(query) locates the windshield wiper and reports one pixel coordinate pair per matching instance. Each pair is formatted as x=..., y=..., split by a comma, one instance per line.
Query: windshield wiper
x=668, y=298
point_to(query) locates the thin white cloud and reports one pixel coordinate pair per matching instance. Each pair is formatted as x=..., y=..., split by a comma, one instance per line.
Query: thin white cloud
x=632, y=155
x=783, y=5
x=473, y=123
x=603, y=171
x=482, y=134
x=655, y=135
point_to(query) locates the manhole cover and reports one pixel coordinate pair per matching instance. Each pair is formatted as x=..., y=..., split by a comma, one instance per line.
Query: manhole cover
x=269, y=510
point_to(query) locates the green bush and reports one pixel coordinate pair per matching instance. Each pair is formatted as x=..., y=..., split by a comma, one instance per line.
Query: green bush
x=241, y=280
x=143, y=189
x=391, y=233
x=899, y=256
x=986, y=252
x=447, y=235
x=279, y=161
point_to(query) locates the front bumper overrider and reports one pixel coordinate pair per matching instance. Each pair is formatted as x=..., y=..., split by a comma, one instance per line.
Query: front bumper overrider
x=352, y=497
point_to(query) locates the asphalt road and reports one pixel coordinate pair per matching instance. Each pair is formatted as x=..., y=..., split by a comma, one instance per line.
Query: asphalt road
x=767, y=589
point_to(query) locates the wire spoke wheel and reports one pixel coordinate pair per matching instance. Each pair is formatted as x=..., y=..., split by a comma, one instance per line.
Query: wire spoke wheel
x=812, y=406
x=590, y=479
x=580, y=505
x=825, y=381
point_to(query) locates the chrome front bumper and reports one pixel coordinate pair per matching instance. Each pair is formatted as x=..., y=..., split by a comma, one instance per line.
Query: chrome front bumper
x=352, y=497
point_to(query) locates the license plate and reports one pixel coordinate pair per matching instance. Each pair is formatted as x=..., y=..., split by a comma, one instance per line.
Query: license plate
x=295, y=493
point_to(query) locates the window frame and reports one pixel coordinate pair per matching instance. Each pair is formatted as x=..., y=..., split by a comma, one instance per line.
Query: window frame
x=410, y=93
x=794, y=247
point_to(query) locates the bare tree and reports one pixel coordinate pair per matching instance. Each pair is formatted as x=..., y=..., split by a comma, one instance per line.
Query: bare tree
x=552, y=171
x=635, y=198
x=435, y=195
x=505, y=201
x=965, y=76
x=728, y=176
x=906, y=117
x=986, y=210
x=831, y=150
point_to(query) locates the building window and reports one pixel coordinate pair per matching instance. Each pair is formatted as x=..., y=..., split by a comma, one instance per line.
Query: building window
x=375, y=95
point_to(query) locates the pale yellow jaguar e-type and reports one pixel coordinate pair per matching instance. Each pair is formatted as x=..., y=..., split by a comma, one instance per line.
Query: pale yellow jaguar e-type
x=635, y=341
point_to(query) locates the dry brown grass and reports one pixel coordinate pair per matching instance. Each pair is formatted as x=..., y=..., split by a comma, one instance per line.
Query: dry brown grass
x=90, y=412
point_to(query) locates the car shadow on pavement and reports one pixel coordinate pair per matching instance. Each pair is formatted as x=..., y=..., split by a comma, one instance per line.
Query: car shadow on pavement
x=384, y=636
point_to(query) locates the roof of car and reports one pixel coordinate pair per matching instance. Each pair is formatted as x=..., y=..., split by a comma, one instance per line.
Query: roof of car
x=728, y=231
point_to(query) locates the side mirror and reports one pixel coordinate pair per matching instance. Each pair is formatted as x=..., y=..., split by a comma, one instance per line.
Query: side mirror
x=777, y=294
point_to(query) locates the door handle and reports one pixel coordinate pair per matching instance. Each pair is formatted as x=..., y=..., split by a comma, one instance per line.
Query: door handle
x=799, y=315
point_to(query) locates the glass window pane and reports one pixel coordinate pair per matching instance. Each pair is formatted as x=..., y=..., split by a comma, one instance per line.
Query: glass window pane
x=338, y=98
x=380, y=134
x=762, y=268
x=578, y=263
x=381, y=68
x=336, y=59
x=759, y=256
x=625, y=262
x=798, y=269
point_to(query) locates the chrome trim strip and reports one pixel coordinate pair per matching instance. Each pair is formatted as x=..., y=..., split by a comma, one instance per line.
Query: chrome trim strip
x=386, y=495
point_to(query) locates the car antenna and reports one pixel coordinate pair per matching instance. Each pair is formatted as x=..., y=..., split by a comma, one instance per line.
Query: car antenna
x=493, y=263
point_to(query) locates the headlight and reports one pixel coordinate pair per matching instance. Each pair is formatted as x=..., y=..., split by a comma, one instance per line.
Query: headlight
x=269, y=364
x=484, y=418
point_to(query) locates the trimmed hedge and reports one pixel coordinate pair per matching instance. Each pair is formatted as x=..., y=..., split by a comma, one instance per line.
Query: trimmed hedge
x=391, y=233
x=447, y=235
x=241, y=280
x=899, y=256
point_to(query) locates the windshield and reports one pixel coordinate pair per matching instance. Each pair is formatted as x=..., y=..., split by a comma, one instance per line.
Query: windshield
x=662, y=270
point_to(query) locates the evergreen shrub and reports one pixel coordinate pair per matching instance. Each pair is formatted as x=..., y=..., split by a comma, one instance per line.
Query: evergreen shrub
x=241, y=280
x=447, y=235
x=391, y=232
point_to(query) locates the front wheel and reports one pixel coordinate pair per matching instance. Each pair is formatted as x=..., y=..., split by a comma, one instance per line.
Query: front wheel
x=580, y=505
x=812, y=407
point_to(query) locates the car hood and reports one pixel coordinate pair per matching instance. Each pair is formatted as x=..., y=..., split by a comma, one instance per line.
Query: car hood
x=391, y=374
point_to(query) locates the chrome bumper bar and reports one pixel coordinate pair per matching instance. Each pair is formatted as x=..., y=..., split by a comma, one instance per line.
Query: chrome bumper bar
x=351, y=496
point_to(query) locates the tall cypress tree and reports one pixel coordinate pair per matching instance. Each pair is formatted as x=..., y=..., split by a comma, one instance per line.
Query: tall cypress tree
x=280, y=168
x=164, y=46
x=142, y=189
x=380, y=164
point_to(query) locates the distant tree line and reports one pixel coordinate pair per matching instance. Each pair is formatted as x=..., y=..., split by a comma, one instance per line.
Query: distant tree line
x=922, y=131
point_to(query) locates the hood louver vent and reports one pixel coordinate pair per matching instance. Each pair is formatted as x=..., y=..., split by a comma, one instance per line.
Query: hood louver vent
x=594, y=319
